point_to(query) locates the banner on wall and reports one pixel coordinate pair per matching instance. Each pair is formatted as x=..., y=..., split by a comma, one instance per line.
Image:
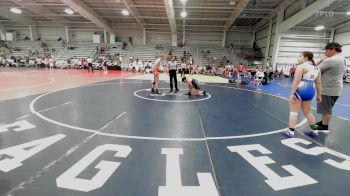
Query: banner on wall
x=96, y=38
x=10, y=36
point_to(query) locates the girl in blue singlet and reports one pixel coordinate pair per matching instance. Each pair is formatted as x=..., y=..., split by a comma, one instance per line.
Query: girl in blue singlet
x=303, y=91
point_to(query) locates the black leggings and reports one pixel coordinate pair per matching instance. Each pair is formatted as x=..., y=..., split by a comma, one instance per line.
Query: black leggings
x=90, y=67
x=183, y=72
x=172, y=74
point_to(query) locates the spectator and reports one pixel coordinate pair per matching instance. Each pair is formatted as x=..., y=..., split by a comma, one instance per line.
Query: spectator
x=292, y=71
x=332, y=68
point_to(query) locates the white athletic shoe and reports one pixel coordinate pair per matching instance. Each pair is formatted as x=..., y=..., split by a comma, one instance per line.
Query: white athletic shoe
x=288, y=133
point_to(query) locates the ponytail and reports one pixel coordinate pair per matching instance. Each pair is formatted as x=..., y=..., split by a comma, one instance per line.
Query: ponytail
x=310, y=56
x=313, y=62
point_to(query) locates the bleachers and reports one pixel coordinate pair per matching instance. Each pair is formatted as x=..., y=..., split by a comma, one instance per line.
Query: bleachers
x=179, y=52
x=55, y=47
x=80, y=50
x=20, y=48
x=112, y=50
x=146, y=53
x=216, y=53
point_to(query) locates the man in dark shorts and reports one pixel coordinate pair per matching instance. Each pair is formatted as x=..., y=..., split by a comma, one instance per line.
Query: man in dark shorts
x=193, y=84
x=332, y=69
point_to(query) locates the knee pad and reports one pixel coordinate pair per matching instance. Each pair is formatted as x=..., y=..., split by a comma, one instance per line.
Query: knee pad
x=293, y=113
x=153, y=83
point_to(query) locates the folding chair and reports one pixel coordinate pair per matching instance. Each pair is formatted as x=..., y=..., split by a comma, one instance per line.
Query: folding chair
x=259, y=76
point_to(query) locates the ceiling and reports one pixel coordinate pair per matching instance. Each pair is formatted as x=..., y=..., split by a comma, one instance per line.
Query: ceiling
x=202, y=15
x=331, y=17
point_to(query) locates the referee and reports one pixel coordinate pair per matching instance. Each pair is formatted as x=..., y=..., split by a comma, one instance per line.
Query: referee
x=172, y=67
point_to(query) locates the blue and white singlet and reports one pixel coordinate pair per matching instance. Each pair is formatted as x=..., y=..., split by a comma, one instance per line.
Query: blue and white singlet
x=306, y=88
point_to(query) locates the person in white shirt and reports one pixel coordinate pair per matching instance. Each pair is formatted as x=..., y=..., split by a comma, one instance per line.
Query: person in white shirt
x=46, y=63
x=260, y=74
x=120, y=60
x=38, y=62
x=51, y=63
x=307, y=80
x=89, y=62
x=134, y=66
x=79, y=63
x=172, y=67
x=140, y=65
x=148, y=67
x=104, y=65
x=183, y=68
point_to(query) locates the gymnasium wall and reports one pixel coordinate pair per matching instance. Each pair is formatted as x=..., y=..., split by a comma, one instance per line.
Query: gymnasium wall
x=80, y=34
x=51, y=33
x=342, y=36
x=261, y=38
x=295, y=41
x=154, y=37
x=292, y=42
x=21, y=32
x=209, y=39
x=239, y=38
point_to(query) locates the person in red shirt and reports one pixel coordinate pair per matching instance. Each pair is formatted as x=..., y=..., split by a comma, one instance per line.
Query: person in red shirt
x=245, y=71
x=240, y=68
x=292, y=71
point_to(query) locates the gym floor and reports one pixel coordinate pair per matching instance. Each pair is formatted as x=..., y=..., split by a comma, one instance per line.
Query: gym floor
x=70, y=132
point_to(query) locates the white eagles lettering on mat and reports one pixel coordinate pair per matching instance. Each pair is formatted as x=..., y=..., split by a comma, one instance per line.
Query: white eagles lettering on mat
x=173, y=178
x=69, y=178
x=22, y=126
x=292, y=143
x=24, y=151
x=12, y=158
x=297, y=179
